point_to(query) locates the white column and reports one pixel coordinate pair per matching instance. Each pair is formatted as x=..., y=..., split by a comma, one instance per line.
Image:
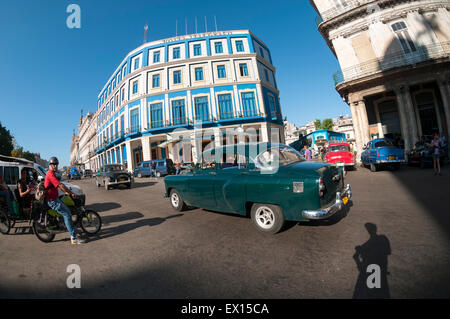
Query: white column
x=130, y=159
x=403, y=119
x=411, y=116
x=146, y=151
x=357, y=130
x=365, y=135
x=444, y=90
x=264, y=132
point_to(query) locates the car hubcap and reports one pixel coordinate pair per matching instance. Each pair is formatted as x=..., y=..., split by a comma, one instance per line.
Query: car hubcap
x=265, y=217
x=175, y=200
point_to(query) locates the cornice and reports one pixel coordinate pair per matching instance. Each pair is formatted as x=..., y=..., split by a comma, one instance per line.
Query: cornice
x=390, y=10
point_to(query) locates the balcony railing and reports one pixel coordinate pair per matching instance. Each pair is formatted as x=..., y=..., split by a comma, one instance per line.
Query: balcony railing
x=342, y=7
x=391, y=61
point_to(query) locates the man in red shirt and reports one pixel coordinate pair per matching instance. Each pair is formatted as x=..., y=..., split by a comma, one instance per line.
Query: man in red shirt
x=52, y=184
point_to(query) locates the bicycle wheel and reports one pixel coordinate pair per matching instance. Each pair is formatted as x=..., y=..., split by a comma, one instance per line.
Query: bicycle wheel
x=91, y=223
x=5, y=223
x=41, y=232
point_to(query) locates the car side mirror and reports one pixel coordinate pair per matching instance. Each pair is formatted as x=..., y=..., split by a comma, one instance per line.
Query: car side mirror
x=40, y=178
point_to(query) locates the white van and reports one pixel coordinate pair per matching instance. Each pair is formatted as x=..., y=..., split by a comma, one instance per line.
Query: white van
x=10, y=168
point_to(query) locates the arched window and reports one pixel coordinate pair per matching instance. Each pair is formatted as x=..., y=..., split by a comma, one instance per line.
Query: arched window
x=402, y=34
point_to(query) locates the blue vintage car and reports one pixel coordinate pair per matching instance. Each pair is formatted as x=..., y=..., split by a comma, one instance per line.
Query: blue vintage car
x=382, y=152
x=163, y=167
x=74, y=173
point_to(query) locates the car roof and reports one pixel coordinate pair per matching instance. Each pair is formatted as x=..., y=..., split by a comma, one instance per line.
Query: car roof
x=382, y=139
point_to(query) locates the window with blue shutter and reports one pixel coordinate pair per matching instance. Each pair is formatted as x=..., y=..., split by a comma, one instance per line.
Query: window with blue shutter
x=155, y=81
x=176, y=53
x=156, y=115
x=116, y=129
x=266, y=74
x=178, y=112
x=221, y=73
x=156, y=57
x=198, y=74
x=136, y=63
x=201, y=109
x=122, y=124
x=134, y=120
x=135, y=87
x=261, y=52
x=197, y=49
x=243, y=69
x=176, y=77
x=239, y=46
x=225, y=106
x=248, y=104
x=273, y=111
x=218, y=47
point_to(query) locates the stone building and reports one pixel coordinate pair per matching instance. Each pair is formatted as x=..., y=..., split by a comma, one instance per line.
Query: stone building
x=395, y=66
x=344, y=124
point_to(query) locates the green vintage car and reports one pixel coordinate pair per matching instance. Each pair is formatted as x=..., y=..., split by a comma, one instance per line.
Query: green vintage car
x=272, y=183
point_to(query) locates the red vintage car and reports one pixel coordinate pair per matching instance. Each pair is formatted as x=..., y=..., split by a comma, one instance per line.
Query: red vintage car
x=339, y=153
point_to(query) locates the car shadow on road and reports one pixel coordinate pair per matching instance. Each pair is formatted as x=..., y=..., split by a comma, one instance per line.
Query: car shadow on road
x=144, y=184
x=103, y=207
x=372, y=263
x=124, y=228
x=336, y=218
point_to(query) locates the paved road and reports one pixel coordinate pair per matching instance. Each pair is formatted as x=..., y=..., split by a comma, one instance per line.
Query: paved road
x=148, y=250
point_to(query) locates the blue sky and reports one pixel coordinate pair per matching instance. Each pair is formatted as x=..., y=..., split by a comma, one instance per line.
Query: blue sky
x=50, y=72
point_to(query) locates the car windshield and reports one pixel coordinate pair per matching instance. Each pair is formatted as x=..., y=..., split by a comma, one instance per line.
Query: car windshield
x=114, y=168
x=339, y=148
x=384, y=143
x=274, y=156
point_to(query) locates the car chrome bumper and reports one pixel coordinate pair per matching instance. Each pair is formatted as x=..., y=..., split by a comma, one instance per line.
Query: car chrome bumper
x=332, y=209
x=345, y=164
x=389, y=161
x=120, y=182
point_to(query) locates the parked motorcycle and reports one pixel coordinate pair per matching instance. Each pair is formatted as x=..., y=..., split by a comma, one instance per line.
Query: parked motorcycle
x=48, y=222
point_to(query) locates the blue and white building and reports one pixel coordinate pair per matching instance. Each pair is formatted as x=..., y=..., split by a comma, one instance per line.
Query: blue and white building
x=197, y=85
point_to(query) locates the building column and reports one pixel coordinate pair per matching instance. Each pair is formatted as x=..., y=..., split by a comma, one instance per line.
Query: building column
x=130, y=159
x=146, y=150
x=357, y=130
x=403, y=119
x=445, y=95
x=411, y=113
x=364, y=121
x=264, y=132
x=380, y=125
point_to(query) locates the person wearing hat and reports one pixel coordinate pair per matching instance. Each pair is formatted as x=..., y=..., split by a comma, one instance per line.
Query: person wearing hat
x=52, y=184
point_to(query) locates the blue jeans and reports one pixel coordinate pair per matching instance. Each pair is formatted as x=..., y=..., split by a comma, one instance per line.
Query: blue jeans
x=5, y=194
x=65, y=212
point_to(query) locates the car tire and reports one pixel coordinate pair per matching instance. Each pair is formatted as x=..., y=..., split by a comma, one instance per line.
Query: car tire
x=158, y=174
x=129, y=186
x=176, y=201
x=422, y=163
x=267, y=218
x=373, y=167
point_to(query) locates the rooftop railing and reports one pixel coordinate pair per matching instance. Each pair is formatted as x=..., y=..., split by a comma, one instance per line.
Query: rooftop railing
x=391, y=61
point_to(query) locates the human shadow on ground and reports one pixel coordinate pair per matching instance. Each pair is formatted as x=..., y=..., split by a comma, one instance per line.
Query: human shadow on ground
x=124, y=228
x=103, y=207
x=372, y=262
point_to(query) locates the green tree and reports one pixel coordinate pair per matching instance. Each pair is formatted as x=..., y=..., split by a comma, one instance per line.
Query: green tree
x=327, y=124
x=317, y=124
x=6, y=141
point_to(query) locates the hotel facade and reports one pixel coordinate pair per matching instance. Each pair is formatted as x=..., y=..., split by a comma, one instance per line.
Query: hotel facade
x=175, y=97
x=395, y=65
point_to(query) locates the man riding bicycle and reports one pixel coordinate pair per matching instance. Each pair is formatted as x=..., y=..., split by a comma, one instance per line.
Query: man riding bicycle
x=51, y=185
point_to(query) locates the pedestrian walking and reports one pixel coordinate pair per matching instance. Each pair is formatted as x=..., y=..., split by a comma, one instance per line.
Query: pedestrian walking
x=307, y=153
x=435, y=144
x=153, y=169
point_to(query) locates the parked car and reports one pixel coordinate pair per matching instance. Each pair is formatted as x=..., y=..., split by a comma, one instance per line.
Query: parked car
x=74, y=173
x=339, y=154
x=272, y=183
x=113, y=175
x=382, y=152
x=422, y=154
x=87, y=173
x=163, y=167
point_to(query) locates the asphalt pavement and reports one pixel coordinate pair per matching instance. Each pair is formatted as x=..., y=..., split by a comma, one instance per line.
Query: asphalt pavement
x=396, y=219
